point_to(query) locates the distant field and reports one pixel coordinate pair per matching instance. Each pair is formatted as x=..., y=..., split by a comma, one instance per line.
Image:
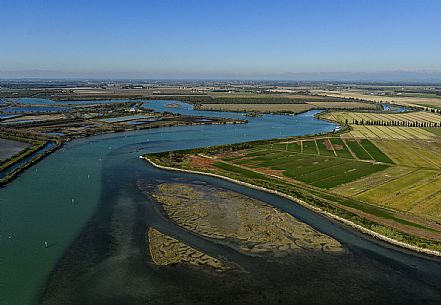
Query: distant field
x=292, y=108
x=419, y=116
x=262, y=106
x=220, y=97
x=384, y=132
x=342, y=105
x=405, y=100
x=387, y=132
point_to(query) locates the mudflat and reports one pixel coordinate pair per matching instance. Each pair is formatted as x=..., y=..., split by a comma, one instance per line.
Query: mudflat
x=246, y=224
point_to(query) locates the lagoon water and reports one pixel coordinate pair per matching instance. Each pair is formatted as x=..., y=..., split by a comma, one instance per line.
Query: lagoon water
x=83, y=200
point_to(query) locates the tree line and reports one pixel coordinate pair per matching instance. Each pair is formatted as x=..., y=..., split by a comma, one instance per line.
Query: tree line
x=394, y=123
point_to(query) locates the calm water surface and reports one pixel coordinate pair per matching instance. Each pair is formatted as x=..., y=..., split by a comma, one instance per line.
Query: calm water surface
x=83, y=200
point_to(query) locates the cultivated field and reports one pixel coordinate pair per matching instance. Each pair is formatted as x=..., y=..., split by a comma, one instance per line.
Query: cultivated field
x=411, y=186
x=412, y=117
x=324, y=163
x=415, y=153
x=342, y=105
x=399, y=126
x=261, y=106
x=386, y=132
x=434, y=102
x=291, y=108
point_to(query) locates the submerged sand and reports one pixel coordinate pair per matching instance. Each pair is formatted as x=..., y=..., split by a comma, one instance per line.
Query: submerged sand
x=166, y=250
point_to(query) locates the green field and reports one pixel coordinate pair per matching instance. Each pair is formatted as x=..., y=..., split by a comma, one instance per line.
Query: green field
x=334, y=147
x=400, y=175
x=376, y=153
x=434, y=130
x=324, y=171
x=359, y=151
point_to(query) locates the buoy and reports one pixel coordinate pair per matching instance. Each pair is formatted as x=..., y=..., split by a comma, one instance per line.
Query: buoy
x=45, y=244
x=73, y=200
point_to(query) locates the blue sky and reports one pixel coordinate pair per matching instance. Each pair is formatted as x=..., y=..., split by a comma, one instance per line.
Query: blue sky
x=219, y=37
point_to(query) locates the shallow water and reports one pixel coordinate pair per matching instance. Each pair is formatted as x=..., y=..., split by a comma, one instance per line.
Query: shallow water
x=83, y=200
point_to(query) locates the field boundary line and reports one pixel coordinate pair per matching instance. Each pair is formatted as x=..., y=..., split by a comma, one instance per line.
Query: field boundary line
x=416, y=152
x=361, y=145
x=385, y=182
x=421, y=201
x=316, y=147
x=350, y=151
x=332, y=146
x=407, y=189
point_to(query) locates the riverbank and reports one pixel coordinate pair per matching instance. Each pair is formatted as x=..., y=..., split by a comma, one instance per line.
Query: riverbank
x=353, y=225
x=174, y=121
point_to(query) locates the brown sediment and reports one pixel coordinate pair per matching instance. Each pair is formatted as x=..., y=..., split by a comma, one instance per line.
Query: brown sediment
x=165, y=250
x=248, y=225
x=200, y=162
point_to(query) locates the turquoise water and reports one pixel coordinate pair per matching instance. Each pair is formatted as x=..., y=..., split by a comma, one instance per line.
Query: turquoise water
x=78, y=186
x=38, y=207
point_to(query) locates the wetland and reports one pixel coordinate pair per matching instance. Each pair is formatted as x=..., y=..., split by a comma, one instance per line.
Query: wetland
x=105, y=234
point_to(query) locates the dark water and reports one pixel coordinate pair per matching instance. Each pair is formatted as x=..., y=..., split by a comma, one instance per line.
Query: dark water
x=16, y=165
x=83, y=200
x=108, y=263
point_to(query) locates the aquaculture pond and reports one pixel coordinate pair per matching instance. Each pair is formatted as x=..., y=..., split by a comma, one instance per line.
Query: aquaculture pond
x=16, y=165
x=34, y=109
x=86, y=203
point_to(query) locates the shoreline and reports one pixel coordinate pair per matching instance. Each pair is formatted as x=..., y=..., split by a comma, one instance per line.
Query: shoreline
x=355, y=226
x=60, y=142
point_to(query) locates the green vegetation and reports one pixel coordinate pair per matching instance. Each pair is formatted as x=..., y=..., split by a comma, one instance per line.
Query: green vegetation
x=309, y=167
x=374, y=151
x=325, y=147
x=435, y=131
x=358, y=150
x=309, y=147
x=340, y=148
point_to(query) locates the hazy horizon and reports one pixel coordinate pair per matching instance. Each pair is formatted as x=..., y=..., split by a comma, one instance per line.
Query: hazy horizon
x=290, y=40
x=387, y=76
